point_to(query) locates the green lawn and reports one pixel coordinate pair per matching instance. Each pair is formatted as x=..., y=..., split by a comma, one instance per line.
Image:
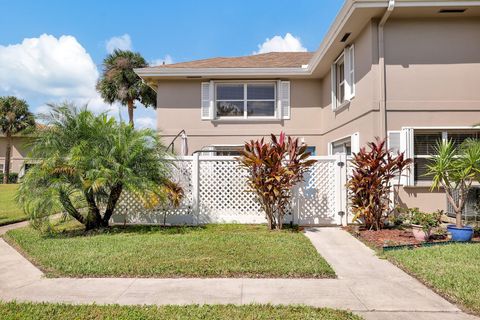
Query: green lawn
x=45, y=311
x=452, y=270
x=229, y=250
x=9, y=210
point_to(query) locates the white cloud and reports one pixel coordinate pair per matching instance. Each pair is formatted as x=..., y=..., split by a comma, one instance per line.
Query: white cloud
x=47, y=66
x=278, y=44
x=123, y=42
x=146, y=122
x=167, y=60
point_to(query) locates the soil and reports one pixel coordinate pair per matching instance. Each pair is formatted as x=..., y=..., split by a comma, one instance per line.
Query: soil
x=392, y=237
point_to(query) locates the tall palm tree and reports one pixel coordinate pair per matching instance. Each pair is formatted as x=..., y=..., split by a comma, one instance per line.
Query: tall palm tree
x=14, y=118
x=86, y=162
x=119, y=83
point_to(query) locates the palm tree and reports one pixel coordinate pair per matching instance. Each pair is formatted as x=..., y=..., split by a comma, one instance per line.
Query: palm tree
x=14, y=118
x=119, y=83
x=455, y=169
x=87, y=162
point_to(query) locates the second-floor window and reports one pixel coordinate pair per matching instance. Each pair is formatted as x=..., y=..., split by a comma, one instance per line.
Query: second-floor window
x=343, y=78
x=245, y=100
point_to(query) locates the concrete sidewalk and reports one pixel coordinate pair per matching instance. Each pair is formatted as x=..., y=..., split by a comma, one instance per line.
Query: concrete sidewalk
x=369, y=286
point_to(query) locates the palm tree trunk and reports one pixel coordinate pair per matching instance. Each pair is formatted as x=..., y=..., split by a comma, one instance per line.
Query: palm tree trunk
x=130, y=112
x=68, y=206
x=94, y=218
x=8, y=155
x=112, y=202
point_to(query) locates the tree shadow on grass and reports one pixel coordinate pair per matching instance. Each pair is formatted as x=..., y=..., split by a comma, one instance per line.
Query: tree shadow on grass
x=78, y=231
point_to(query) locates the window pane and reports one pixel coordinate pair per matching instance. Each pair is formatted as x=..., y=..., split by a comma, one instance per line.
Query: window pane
x=425, y=143
x=229, y=108
x=260, y=92
x=261, y=108
x=342, y=146
x=459, y=137
x=420, y=165
x=341, y=93
x=340, y=72
x=227, y=91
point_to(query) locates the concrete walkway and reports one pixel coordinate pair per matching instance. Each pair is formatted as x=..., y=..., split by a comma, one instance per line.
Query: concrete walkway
x=369, y=286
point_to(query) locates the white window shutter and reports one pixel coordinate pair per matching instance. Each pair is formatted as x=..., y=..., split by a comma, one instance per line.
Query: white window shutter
x=284, y=92
x=333, y=79
x=406, y=145
x=349, y=70
x=355, y=142
x=207, y=101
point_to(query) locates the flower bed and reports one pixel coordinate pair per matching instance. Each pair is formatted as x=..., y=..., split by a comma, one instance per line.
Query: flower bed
x=387, y=238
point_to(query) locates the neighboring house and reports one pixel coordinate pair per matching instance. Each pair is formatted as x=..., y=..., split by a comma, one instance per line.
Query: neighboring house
x=409, y=70
x=19, y=154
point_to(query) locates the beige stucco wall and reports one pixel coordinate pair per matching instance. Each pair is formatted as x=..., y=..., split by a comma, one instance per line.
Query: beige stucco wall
x=361, y=114
x=433, y=77
x=19, y=152
x=178, y=107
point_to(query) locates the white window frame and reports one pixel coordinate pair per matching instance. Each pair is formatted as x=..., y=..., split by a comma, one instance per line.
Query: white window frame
x=246, y=100
x=409, y=149
x=354, y=143
x=2, y=167
x=347, y=58
x=213, y=148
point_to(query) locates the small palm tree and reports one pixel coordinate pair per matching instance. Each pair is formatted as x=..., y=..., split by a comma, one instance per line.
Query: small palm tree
x=14, y=118
x=87, y=161
x=119, y=83
x=455, y=169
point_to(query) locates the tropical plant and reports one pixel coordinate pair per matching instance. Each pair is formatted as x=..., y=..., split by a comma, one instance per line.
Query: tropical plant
x=426, y=220
x=274, y=169
x=120, y=83
x=455, y=169
x=370, y=183
x=87, y=161
x=14, y=119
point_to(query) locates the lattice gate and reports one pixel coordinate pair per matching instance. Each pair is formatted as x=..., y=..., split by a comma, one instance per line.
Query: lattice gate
x=216, y=191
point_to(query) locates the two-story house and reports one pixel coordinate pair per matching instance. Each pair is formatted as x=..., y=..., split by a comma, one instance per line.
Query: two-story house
x=404, y=69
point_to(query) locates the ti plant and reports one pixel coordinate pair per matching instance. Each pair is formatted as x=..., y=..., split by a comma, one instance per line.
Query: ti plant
x=275, y=168
x=455, y=169
x=370, y=183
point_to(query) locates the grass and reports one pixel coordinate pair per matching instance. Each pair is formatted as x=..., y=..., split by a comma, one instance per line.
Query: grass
x=9, y=210
x=451, y=270
x=46, y=311
x=228, y=250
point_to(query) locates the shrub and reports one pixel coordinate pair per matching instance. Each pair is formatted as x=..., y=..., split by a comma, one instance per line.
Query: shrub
x=12, y=177
x=370, y=184
x=275, y=168
x=428, y=221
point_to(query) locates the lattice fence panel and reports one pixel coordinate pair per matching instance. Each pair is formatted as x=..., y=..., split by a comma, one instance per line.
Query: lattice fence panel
x=131, y=210
x=222, y=189
x=315, y=198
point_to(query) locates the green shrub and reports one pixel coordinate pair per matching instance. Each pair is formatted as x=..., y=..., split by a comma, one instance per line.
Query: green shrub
x=12, y=177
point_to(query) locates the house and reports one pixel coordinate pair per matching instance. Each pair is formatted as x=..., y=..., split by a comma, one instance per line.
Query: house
x=405, y=69
x=18, y=160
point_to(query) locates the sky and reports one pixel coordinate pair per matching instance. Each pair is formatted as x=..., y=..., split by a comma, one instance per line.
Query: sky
x=52, y=50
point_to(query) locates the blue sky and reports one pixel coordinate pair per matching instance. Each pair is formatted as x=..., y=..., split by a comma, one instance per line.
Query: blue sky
x=63, y=63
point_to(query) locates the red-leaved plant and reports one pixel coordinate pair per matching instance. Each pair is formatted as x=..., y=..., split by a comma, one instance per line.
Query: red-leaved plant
x=275, y=168
x=370, y=184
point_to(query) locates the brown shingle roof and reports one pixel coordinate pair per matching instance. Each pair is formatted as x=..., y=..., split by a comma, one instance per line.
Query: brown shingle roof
x=264, y=60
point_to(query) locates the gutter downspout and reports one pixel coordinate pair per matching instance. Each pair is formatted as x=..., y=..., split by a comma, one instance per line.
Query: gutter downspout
x=381, y=65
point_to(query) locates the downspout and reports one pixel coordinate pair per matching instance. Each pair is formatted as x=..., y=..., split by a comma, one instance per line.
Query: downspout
x=381, y=65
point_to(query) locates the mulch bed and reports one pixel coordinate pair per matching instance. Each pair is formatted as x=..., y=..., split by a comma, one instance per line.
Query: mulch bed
x=391, y=237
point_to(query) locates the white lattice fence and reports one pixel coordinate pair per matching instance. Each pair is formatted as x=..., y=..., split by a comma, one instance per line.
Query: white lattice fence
x=131, y=210
x=215, y=191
